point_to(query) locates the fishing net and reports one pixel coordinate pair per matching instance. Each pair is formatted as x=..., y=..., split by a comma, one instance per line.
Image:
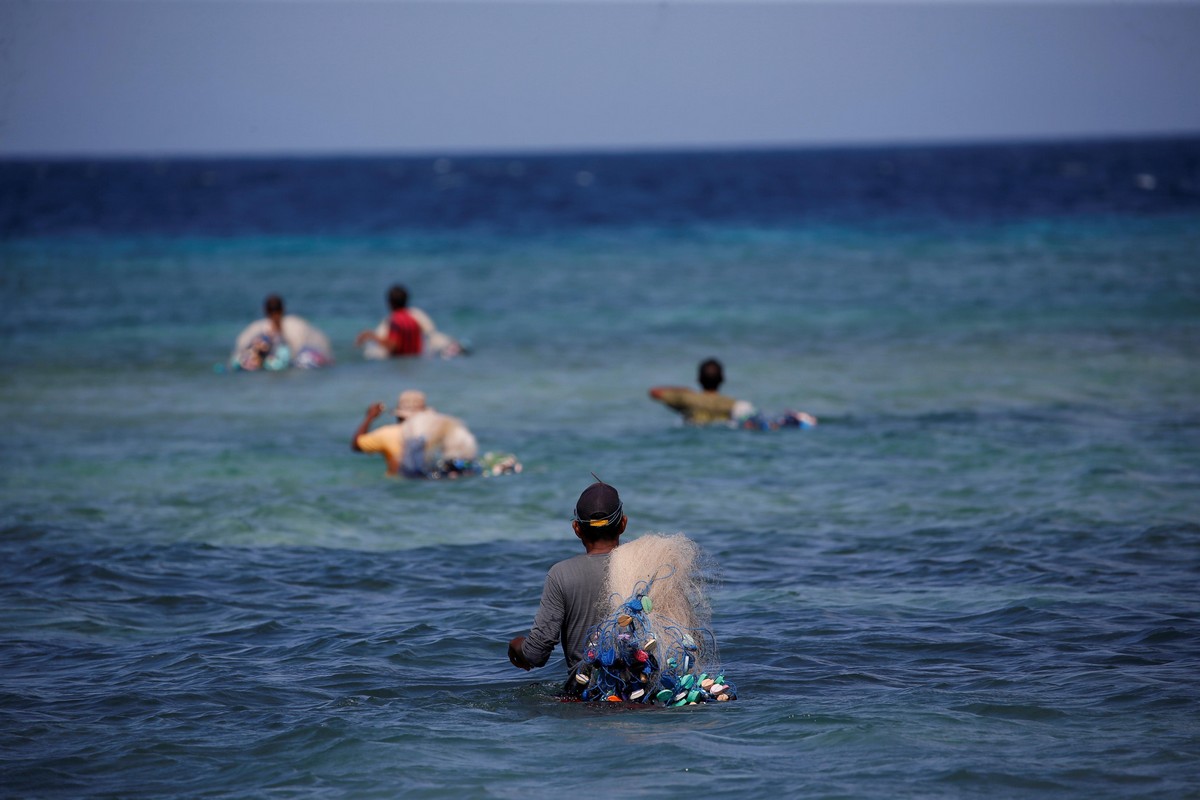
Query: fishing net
x=655, y=646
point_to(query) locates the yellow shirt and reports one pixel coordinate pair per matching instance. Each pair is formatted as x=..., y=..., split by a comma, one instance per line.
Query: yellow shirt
x=386, y=439
x=444, y=436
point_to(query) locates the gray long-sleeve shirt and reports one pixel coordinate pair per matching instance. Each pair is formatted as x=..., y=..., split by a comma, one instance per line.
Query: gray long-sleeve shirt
x=572, y=602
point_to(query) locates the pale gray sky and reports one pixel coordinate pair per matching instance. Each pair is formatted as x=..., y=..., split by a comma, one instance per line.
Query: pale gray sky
x=130, y=77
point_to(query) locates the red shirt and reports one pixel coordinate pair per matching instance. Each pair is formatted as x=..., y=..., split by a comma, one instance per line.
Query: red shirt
x=404, y=334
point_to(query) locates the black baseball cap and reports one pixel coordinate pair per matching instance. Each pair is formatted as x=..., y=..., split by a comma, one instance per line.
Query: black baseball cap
x=599, y=506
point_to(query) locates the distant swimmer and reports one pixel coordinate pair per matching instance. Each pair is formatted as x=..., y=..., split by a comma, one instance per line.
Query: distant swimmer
x=709, y=406
x=424, y=443
x=631, y=619
x=279, y=341
x=407, y=331
x=699, y=408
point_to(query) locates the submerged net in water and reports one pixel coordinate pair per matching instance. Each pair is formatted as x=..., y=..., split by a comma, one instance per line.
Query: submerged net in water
x=655, y=645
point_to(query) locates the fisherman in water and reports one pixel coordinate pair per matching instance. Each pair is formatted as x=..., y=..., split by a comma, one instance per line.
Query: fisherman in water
x=573, y=594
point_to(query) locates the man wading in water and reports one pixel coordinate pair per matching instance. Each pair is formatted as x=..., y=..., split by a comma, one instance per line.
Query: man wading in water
x=575, y=588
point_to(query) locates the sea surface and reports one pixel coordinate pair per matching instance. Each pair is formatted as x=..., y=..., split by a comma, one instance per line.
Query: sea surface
x=979, y=576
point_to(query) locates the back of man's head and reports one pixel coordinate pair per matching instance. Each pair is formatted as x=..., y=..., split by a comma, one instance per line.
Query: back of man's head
x=397, y=297
x=273, y=305
x=599, y=511
x=711, y=375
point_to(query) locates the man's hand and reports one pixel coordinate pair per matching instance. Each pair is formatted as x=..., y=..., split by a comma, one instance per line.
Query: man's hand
x=373, y=411
x=516, y=656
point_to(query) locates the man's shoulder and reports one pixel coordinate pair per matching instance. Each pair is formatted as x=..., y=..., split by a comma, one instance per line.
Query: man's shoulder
x=709, y=400
x=720, y=399
x=674, y=391
x=579, y=563
x=384, y=433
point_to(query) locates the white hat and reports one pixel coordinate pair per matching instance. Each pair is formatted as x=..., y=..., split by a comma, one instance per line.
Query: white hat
x=411, y=401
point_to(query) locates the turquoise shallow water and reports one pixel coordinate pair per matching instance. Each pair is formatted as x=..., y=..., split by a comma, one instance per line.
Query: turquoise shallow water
x=977, y=576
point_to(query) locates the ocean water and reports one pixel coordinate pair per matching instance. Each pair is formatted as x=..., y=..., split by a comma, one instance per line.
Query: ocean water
x=977, y=577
